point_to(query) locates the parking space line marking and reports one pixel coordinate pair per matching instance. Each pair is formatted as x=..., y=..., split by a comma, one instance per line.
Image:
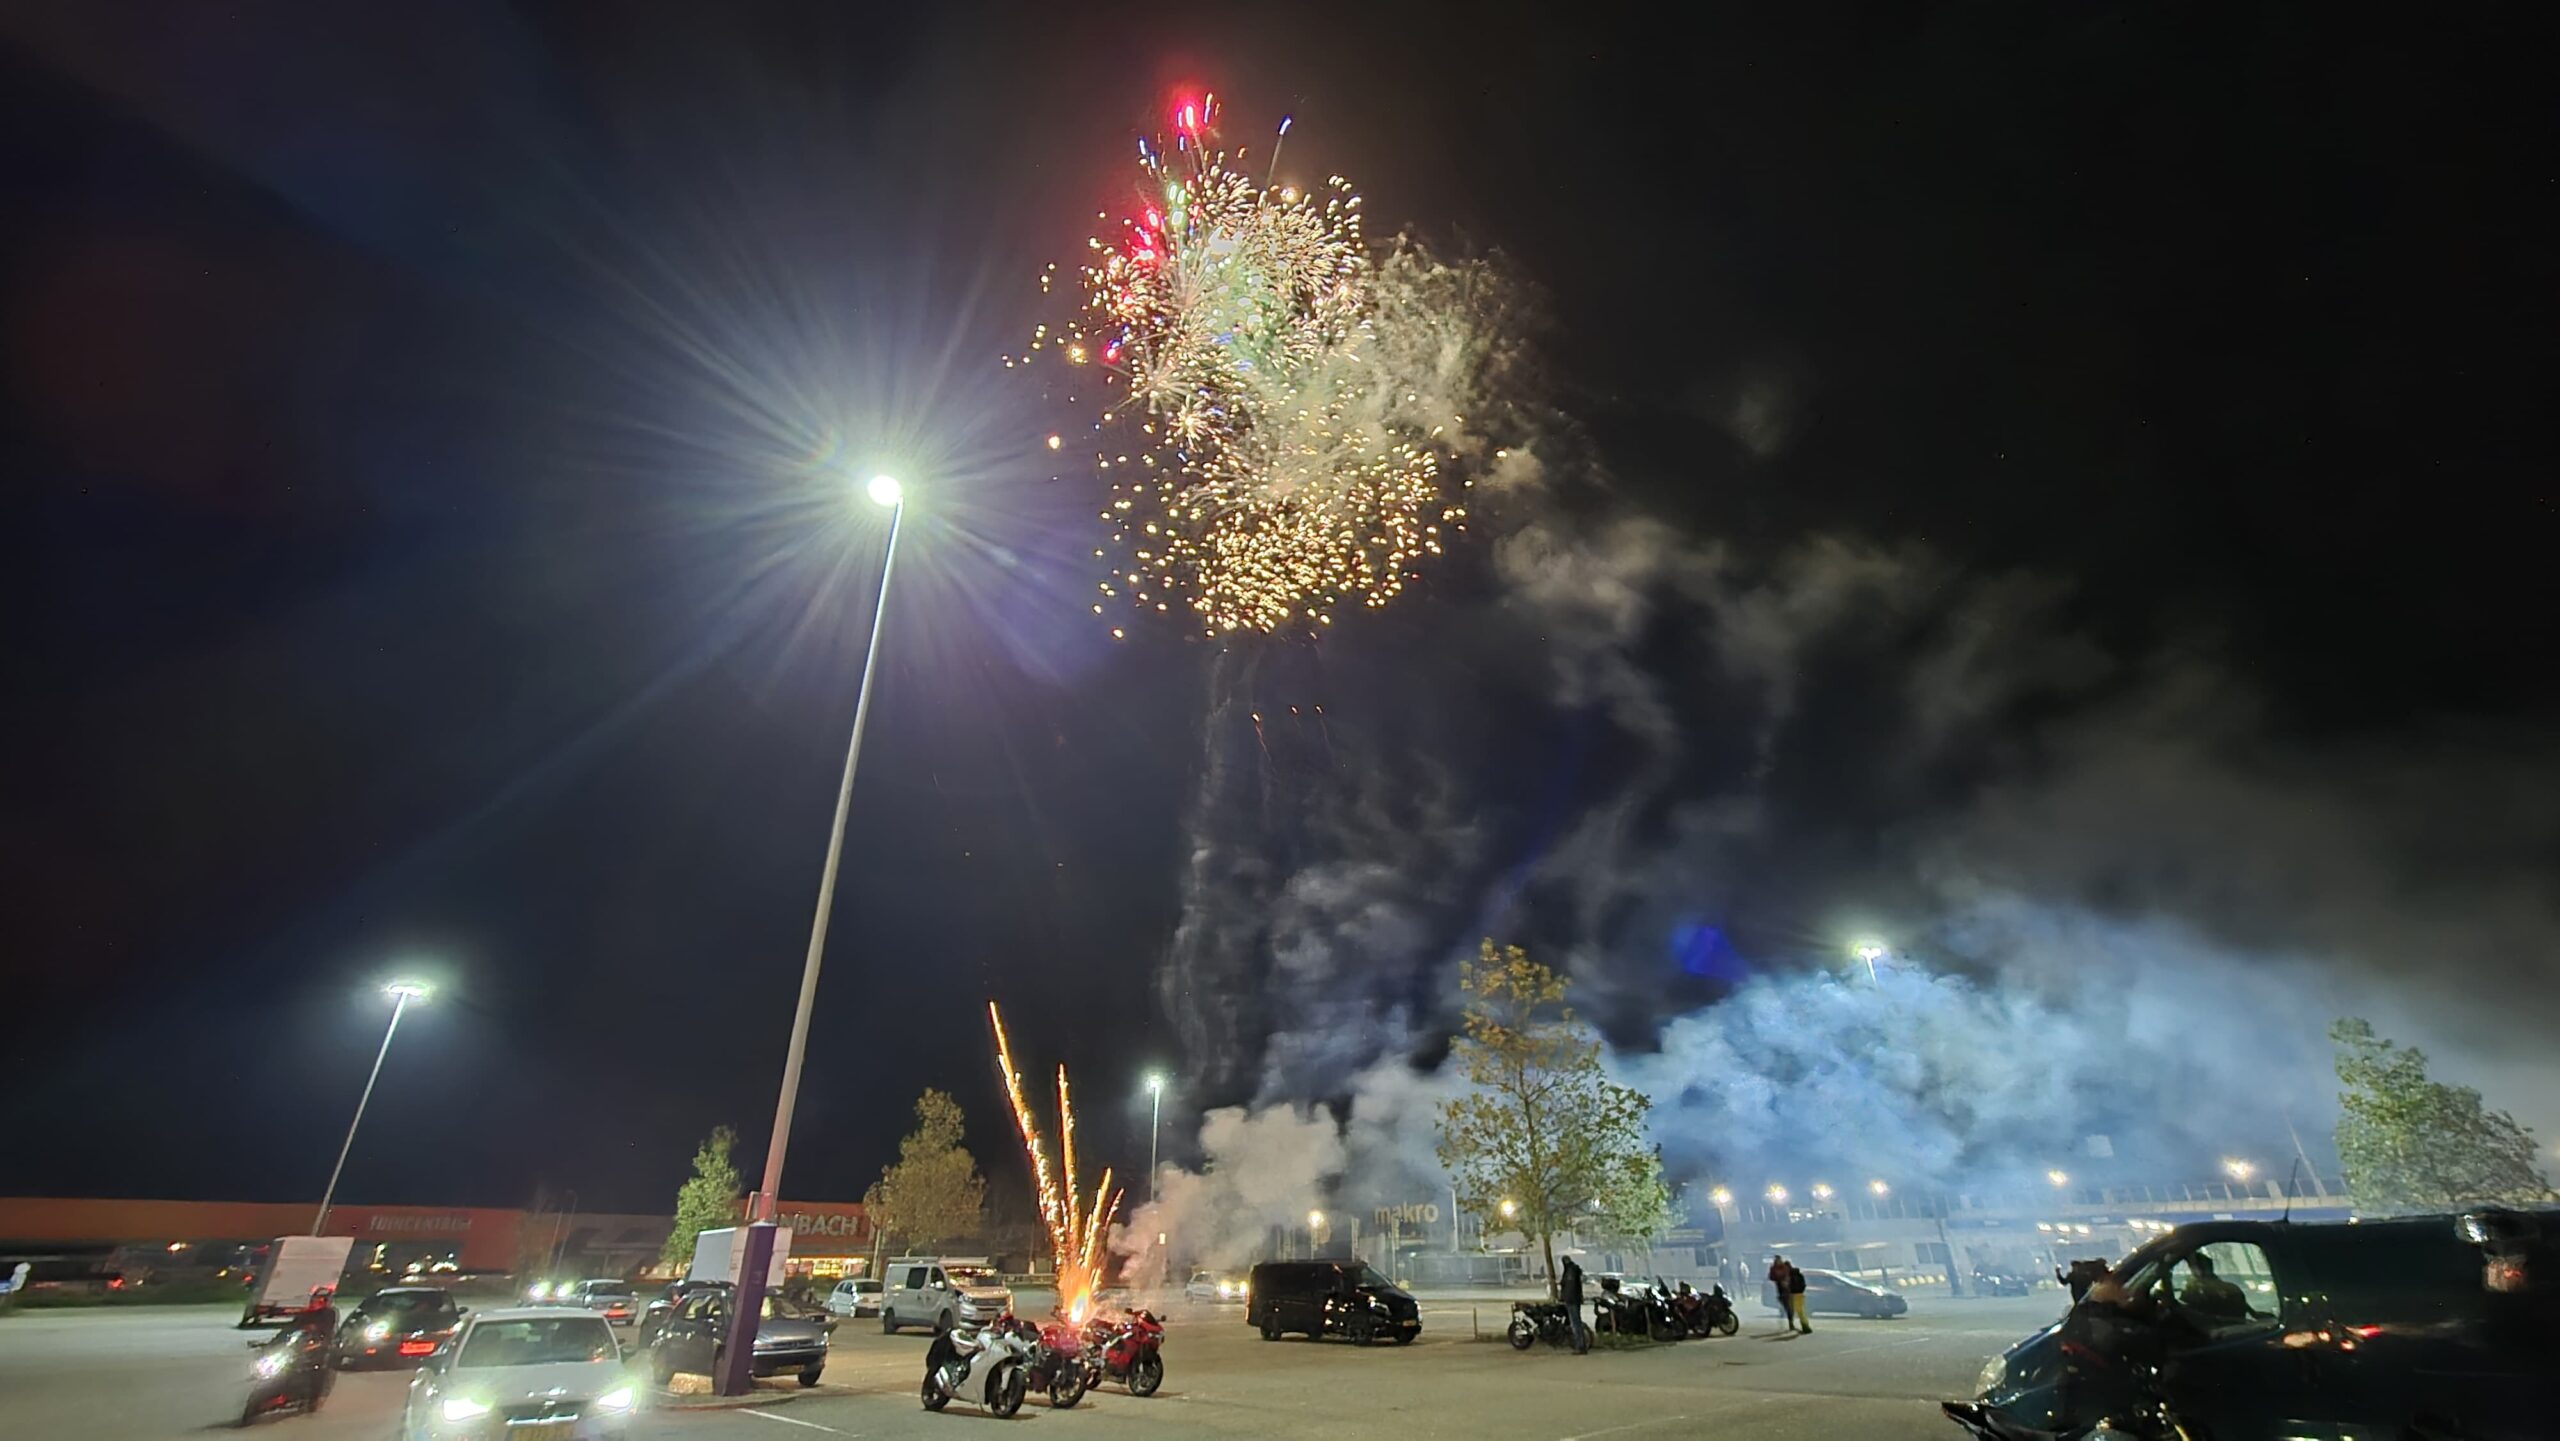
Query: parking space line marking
x=788, y=1421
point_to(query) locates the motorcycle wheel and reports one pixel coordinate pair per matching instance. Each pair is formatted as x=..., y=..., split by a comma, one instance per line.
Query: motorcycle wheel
x=1067, y=1389
x=1727, y=1324
x=1522, y=1336
x=1146, y=1374
x=1006, y=1388
x=936, y=1394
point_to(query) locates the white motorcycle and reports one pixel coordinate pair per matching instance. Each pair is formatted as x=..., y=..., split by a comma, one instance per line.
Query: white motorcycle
x=962, y=1352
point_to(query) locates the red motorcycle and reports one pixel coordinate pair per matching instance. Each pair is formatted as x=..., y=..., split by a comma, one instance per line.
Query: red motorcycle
x=1129, y=1351
x=1056, y=1362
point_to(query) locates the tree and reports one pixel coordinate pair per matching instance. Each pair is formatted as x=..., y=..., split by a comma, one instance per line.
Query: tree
x=708, y=1200
x=2410, y=1143
x=934, y=1192
x=1545, y=1130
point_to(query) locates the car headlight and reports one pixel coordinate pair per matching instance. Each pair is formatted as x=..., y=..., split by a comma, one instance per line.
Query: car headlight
x=1994, y=1372
x=271, y=1363
x=617, y=1399
x=377, y=1330
x=463, y=1408
x=541, y=1291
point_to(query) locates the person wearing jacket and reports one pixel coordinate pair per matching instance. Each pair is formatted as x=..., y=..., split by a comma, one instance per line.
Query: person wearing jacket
x=1569, y=1292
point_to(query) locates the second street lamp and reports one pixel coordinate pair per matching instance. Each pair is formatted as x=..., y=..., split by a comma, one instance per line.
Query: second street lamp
x=737, y=1373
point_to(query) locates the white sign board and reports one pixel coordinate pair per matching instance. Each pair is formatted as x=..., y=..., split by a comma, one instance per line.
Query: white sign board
x=720, y=1255
x=298, y=1266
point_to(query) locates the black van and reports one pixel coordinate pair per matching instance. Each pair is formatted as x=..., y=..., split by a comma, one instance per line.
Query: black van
x=2417, y=1326
x=1329, y=1298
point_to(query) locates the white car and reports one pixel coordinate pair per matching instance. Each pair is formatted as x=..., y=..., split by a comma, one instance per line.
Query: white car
x=924, y=1291
x=854, y=1296
x=527, y=1371
x=1215, y=1288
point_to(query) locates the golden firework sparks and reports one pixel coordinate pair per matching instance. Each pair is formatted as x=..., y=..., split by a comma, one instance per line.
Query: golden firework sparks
x=1076, y=1233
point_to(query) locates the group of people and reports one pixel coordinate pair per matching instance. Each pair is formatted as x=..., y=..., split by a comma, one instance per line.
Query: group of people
x=1788, y=1281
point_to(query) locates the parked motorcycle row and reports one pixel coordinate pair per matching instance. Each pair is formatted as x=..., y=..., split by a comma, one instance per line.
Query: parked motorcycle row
x=1004, y=1361
x=1658, y=1312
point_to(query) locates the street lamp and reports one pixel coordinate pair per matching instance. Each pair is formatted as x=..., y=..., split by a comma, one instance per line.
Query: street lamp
x=1510, y=1208
x=736, y=1376
x=2239, y=1170
x=1879, y=1188
x=1871, y=952
x=1777, y=1195
x=2060, y=1178
x=1155, y=1129
x=1315, y=1223
x=1821, y=1191
x=401, y=994
x=1720, y=1197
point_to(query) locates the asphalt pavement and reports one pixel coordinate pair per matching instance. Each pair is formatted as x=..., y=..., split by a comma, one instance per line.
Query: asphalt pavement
x=151, y=1374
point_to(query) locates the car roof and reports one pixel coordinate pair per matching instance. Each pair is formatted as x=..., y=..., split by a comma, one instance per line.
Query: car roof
x=537, y=1313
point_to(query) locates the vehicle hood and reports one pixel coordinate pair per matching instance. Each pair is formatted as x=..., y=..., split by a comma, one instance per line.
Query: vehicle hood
x=2031, y=1372
x=509, y=1385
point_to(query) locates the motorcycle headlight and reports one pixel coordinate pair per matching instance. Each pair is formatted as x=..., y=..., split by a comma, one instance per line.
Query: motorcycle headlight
x=1994, y=1372
x=271, y=1363
x=464, y=1408
x=617, y=1399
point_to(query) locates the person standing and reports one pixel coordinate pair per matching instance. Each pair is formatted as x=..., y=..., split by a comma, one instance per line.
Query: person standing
x=1569, y=1291
x=1778, y=1269
x=1796, y=1308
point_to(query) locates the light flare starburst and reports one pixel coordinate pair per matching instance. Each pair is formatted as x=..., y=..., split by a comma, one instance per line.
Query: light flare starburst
x=1265, y=467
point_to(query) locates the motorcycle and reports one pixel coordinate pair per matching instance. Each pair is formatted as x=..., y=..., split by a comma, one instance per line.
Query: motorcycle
x=1708, y=1313
x=1056, y=1365
x=292, y=1373
x=960, y=1353
x=1635, y=1311
x=1130, y=1351
x=1535, y=1321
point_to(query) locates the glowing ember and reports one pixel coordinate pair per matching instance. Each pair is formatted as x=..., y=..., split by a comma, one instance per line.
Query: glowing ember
x=1076, y=1230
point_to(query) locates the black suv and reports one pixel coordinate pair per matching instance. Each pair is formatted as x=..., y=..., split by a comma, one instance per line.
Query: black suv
x=2420, y=1326
x=1329, y=1298
x=396, y=1326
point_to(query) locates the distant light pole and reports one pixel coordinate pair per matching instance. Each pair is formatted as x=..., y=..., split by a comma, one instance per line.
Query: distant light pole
x=1315, y=1224
x=401, y=994
x=1155, y=1128
x=737, y=1376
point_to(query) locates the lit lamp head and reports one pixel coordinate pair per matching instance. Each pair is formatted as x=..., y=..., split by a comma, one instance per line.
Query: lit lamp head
x=1155, y=1083
x=885, y=492
x=406, y=990
x=1315, y=1220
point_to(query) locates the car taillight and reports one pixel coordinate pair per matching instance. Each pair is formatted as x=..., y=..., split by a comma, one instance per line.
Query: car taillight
x=417, y=1346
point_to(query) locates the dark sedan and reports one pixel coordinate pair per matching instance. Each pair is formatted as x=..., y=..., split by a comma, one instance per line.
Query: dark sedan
x=791, y=1338
x=1828, y=1293
x=396, y=1326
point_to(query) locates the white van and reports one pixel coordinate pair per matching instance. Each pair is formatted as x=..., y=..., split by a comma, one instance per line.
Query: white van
x=928, y=1291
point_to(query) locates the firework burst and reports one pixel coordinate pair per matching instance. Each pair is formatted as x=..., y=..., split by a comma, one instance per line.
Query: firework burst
x=1266, y=465
x=1077, y=1229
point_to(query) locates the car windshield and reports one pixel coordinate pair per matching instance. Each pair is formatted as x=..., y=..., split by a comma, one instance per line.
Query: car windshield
x=865, y=1288
x=1369, y=1277
x=605, y=1288
x=539, y=1341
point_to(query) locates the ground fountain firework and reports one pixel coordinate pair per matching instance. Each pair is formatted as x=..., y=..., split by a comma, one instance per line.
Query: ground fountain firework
x=1077, y=1230
x=1270, y=458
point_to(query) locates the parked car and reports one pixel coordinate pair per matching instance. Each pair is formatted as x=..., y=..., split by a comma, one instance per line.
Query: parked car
x=509, y=1372
x=2418, y=1326
x=618, y=1300
x=1216, y=1287
x=1987, y=1282
x=854, y=1296
x=790, y=1337
x=1329, y=1298
x=397, y=1325
x=922, y=1291
x=1828, y=1293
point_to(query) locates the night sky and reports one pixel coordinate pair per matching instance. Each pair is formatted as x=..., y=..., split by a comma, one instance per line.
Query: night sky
x=2088, y=455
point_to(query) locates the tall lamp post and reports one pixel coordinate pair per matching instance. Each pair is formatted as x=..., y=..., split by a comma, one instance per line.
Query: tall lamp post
x=401, y=994
x=1872, y=952
x=1155, y=1129
x=737, y=1362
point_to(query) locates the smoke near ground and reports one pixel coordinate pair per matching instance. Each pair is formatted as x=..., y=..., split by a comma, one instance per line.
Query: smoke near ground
x=2126, y=894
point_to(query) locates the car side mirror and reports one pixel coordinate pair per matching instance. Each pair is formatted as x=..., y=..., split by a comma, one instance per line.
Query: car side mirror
x=462, y=1310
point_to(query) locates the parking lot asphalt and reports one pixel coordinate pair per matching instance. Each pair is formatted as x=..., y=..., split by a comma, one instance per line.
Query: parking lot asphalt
x=155, y=1374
